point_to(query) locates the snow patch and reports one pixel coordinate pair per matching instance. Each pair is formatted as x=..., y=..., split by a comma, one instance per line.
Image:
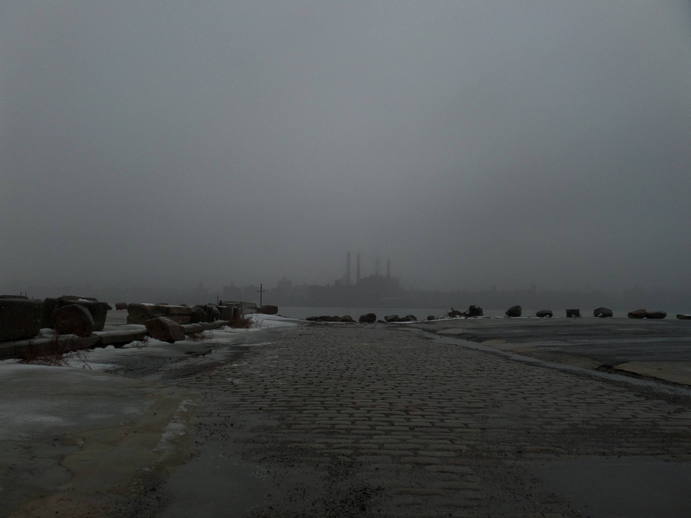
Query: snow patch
x=262, y=321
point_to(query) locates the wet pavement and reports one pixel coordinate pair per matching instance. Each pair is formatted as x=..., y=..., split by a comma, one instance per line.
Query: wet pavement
x=385, y=421
x=657, y=348
x=353, y=421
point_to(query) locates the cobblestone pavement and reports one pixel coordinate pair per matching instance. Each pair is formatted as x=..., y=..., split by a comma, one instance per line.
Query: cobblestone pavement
x=376, y=421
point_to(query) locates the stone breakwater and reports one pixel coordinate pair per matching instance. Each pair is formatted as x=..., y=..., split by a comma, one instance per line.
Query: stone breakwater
x=33, y=328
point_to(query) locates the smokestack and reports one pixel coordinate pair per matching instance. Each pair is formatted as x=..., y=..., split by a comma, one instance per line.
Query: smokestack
x=376, y=267
x=388, y=268
x=347, y=279
x=357, y=268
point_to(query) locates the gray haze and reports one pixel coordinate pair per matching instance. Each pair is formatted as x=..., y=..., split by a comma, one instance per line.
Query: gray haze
x=476, y=143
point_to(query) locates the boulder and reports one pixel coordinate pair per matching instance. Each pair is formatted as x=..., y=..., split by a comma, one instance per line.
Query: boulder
x=683, y=316
x=73, y=319
x=474, y=311
x=544, y=313
x=368, y=318
x=431, y=317
x=347, y=318
x=49, y=307
x=268, y=309
x=120, y=306
x=99, y=312
x=212, y=313
x=139, y=313
x=230, y=312
x=573, y=313
x=324, y=318
x=638, y=313
x=192, y=329
x=396, y=318
x=454, y=313
x=198, y=314
x=603, y=312
x=657, y=315
x=514, y=311
x=20, y=318
x=182, y=314
x=164, y=329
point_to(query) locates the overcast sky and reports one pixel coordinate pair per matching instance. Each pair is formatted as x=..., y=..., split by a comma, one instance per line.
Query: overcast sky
x=475, y=143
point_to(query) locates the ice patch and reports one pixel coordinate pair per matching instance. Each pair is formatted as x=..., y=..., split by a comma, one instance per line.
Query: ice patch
x=175, y=428
x=265, y=321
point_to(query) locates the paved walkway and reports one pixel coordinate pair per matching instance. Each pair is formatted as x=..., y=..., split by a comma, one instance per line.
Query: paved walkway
x=354, y=421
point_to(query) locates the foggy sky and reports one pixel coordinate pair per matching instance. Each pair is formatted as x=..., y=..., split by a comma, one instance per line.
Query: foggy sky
x=475, y=143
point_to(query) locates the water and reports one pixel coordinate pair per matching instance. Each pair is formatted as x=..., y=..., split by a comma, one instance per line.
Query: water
x=355, y=312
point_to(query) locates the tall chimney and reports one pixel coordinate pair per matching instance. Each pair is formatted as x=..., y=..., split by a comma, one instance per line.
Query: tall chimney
x=357, y=267
x=347, y=279
x=388, y=268
x=376, y=267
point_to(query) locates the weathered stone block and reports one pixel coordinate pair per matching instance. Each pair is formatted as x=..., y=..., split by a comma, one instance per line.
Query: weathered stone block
x=98, y=310
x=20, y=318
x=268, y=309
x=603, y=312
x=73, y=319
x=165, y=329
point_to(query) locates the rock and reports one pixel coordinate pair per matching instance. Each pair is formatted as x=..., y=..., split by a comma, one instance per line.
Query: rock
x=474, y=311
x=657, y=315
x=454, y=313
x=396, y=318
x=20, y=318
x=164, y=329
x=73, y=319
x=268, y=309
x=212, y=313
x=99, y=312
x=347, y=318
x=368, y=318
x=49, y=307
x=325, y=318
x=514, y=311
x=573, y=313
x=431, y=317
x=230, y=312
x=120, y=306
x=119, y=337
x=603, y=312
x=198, y=314
x=544, y=313
x=684, y=316
x=638, y=313
x=140, y=313
x=192, y=329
